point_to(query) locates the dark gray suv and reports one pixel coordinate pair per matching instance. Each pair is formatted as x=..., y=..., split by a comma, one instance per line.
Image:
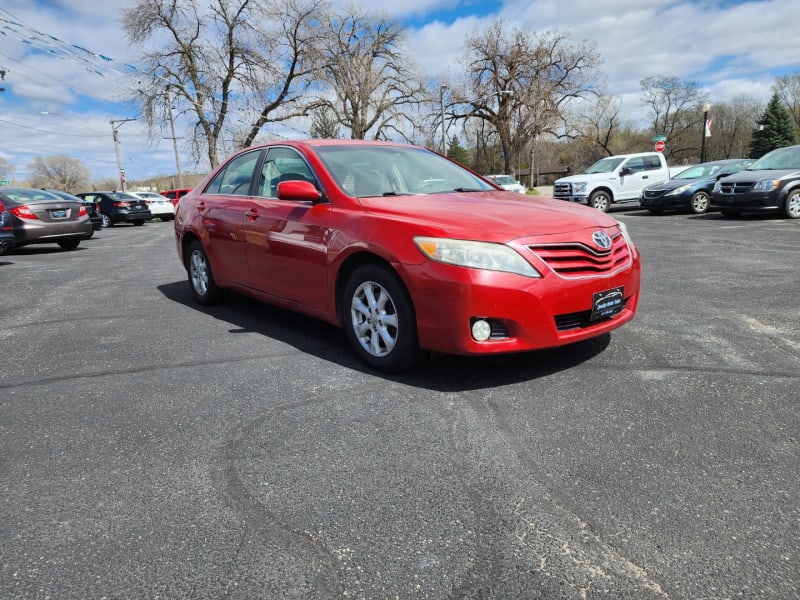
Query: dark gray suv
x=772, y=183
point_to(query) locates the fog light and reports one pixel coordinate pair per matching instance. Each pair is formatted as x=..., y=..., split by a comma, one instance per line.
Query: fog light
x=481, y=330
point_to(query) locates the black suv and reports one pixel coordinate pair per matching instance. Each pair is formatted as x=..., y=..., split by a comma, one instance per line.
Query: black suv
x=771, y=183
x=118, y=207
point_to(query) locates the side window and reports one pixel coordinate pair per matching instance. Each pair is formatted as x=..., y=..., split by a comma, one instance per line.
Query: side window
x=652, y=163
x=235, y=178
x=635, y=164
x=282, y=164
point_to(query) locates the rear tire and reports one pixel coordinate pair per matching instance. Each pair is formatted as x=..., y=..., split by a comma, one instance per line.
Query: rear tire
x=201, y=279
x=69, y=244
x=379, y=319
x=106, y=220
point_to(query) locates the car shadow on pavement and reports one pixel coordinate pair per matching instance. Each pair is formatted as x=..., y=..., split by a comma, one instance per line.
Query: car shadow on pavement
x=440, y=373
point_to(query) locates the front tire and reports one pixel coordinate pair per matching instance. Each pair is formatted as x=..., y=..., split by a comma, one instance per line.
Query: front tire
x=201, y=279
x=791, y=206
x=379, y=319
x=601, y=200
x=700, y=203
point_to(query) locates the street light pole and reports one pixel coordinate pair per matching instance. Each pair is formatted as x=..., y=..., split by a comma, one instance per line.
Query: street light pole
x=114, y=128
x=706, y=108
x=442, y=88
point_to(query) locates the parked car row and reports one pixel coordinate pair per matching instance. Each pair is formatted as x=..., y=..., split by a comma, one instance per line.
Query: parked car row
x=690, y=189
x=40, y=216
x=734, y=187
x=33, y=216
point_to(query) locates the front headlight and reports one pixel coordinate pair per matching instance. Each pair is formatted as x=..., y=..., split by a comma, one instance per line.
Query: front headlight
x=579, y=187
x=679, y=190
x=624, y=229
x=475, y=255
x=766, y=185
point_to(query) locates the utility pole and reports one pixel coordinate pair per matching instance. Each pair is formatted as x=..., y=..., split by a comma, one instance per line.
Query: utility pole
x=174, y=142
x=114, y=128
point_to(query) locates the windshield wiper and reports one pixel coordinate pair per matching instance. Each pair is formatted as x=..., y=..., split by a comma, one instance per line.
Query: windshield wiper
x=461, y=189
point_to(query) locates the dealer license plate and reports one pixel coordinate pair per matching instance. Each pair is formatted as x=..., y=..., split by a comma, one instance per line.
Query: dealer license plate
x=607, y=304
x=59, y=214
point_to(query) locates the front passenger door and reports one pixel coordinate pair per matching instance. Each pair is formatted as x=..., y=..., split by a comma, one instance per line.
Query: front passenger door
x=287, y=240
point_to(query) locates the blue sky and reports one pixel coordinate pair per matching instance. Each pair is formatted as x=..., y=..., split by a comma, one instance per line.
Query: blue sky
x=62, y=89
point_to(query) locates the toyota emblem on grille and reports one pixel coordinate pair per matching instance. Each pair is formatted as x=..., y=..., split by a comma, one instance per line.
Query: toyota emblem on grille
x=601, y=239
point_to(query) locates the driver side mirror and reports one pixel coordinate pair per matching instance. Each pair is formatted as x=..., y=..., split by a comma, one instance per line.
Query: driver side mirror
x=625, y=171
x=303, y=191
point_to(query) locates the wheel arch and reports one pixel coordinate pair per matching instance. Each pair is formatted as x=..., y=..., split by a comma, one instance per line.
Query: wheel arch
x=606, y=189
x=349, y=265
x=187, y=239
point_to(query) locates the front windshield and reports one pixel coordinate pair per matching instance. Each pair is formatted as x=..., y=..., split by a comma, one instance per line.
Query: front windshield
x=699, y=171
x=363, y=171
x=505, y=180
x=782, y=158
x=605, y=165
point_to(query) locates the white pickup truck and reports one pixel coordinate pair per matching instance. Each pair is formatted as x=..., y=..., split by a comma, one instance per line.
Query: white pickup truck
x=613, y=180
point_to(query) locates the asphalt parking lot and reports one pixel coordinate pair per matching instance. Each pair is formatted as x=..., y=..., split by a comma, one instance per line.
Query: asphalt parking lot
x=153, y=448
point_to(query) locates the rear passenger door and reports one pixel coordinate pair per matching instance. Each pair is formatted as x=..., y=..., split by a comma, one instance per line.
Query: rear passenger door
x=223, y=205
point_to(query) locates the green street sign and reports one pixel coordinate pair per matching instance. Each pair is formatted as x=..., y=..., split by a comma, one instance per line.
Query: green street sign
x=660, y=138
x=4, y=182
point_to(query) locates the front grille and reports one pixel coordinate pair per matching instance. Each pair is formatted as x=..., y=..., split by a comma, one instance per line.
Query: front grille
x=562, y=189
x=735, y=187
x=579, y=320
x=579, y=260
x=648, y=194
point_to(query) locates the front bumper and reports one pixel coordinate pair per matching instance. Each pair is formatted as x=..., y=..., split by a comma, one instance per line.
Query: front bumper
x=527, y=313
x=573, y=198
x=750, y=201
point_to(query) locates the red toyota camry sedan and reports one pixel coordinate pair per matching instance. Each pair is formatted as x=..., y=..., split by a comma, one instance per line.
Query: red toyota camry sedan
x=406, y=250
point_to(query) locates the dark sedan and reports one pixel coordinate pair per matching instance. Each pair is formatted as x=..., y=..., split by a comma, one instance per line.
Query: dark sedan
x=91, y=209
x=119, y=207
x=690, y=190
x=39, y=217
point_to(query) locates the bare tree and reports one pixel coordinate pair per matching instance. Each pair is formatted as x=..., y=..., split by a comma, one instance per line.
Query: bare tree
x=733, y=124
x=372, y=81
x=249, y=57
x=674, y=110
x=6, y=170
x=60, y=172
x=521, y=83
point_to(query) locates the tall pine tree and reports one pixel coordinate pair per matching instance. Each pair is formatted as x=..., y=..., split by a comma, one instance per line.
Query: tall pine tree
x=774, y=129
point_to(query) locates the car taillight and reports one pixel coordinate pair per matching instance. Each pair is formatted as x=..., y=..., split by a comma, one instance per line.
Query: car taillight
x=82, y=212
x=2, y=207
x=122, y=204
x=23, y=212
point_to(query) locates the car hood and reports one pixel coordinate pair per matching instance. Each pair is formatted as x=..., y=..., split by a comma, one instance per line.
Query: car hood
x=674, y=184
x=489, y=216
x=607, y=176
x=744, y=176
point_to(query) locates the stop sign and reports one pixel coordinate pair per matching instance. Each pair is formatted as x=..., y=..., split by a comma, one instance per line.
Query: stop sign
x=659, y=146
